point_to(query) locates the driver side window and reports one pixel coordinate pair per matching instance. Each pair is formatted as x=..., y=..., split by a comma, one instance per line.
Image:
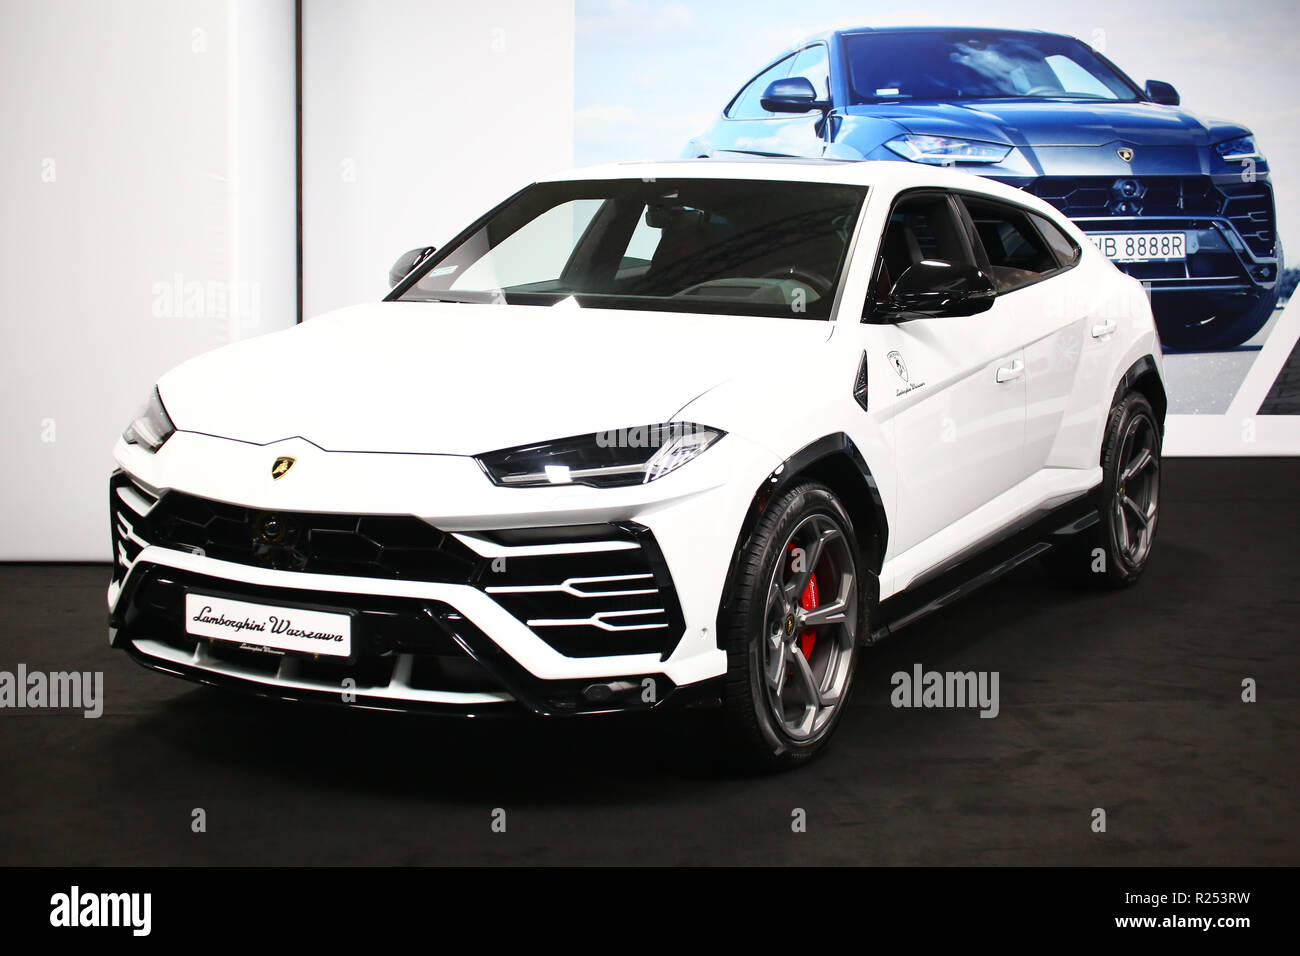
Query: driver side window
x=812, y=64
x=746, y=105
x=920, y=228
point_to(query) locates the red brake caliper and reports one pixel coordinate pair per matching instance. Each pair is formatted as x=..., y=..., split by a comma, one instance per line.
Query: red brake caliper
x=808, y=601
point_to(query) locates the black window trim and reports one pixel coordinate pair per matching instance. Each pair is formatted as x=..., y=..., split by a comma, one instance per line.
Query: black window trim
x=919, y=192
x=423, y=267
x=1034, y=217
x=959, y=195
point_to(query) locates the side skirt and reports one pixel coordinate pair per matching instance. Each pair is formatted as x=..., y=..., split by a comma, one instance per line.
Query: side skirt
x=989, y=564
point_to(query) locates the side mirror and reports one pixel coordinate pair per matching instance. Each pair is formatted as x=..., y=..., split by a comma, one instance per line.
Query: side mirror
x=1162, y=93
x=935, y=289
x=794, y=94
x=406, y=262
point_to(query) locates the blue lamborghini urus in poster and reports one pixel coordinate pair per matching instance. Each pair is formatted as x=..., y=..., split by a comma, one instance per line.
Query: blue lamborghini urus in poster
x=1179, y=201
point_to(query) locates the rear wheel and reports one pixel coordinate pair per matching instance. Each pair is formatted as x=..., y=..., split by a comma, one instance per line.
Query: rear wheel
x=791, y=632
x=1114, y=552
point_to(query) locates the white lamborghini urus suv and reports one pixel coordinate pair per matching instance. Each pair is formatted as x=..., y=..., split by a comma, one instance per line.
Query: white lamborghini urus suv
x=644, y=437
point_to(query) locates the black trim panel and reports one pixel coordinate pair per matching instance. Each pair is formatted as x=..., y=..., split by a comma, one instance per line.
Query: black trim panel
x=986, y=565
x=387, y=626
x=828, y=446
x=1146, y=365
x=825, y=447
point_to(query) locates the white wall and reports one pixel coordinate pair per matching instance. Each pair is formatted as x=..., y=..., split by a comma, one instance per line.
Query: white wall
x=418, y=115
x=147, y=147
x=147, y=184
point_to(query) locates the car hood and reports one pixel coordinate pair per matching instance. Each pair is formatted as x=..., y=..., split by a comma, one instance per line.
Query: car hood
x=1054, y=122
x=458, y=379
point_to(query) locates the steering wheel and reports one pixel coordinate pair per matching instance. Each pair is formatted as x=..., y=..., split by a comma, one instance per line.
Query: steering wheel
x=813, y=280
x=1044, y=91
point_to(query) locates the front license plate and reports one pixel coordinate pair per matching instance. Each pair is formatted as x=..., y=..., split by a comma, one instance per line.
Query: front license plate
x=269, y=627
x=1141, y=246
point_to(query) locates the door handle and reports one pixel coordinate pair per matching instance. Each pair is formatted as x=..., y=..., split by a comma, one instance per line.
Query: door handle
x=1009, y=373
x=1104, y=329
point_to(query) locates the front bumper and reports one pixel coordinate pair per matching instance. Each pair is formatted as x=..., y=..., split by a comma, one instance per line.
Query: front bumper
x=412, y=654
x=519, y=613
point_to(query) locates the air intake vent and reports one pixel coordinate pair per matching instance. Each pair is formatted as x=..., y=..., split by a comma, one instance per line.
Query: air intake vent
x=1249, y=207
x=616, y=598
x=129, y=507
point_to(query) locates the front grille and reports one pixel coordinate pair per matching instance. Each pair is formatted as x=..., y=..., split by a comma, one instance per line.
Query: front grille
x=1086, y=197
x=586, y=590
x=1248, y=206
x=376, y=546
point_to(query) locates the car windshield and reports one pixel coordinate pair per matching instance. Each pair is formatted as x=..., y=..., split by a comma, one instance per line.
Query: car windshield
x=738, y=247
x=978, y=64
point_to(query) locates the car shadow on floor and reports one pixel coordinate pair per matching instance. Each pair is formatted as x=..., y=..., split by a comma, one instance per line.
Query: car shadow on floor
x=558, y=760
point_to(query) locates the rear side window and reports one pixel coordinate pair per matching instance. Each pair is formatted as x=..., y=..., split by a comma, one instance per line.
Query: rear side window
x=1017, y=254
x=1062, y=246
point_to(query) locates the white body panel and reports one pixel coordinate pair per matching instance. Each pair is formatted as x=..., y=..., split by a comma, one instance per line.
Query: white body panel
x=384, y=406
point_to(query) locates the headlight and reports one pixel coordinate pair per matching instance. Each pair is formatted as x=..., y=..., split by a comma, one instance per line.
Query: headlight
x=628, y=456
x=1238, y=150
x=151, y=427
x=942, y=150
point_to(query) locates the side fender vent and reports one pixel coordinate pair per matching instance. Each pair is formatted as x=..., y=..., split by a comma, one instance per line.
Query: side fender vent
x=860, y=384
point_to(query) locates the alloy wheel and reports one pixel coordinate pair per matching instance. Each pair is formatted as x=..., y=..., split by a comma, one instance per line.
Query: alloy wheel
x=1136, y=503
x=809, y=628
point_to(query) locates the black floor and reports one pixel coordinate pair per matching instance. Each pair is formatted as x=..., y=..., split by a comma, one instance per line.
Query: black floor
x=1128, y=702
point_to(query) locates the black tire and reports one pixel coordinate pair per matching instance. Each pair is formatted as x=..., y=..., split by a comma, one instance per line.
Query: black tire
x=1104, y=554
x=1226, y=329
x=752, y=735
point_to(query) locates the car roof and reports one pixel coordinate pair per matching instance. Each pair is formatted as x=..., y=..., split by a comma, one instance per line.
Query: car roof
x=953, y=28
x=825, y=35
x=932, y=28
x=887, y=176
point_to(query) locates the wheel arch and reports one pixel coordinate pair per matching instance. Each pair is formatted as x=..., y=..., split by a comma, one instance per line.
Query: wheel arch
x=1144, y=376
x=835, y=461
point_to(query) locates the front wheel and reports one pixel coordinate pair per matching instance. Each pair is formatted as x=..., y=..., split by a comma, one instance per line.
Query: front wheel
x=790, y=631
x=1114, y=552
x=1226, y=329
